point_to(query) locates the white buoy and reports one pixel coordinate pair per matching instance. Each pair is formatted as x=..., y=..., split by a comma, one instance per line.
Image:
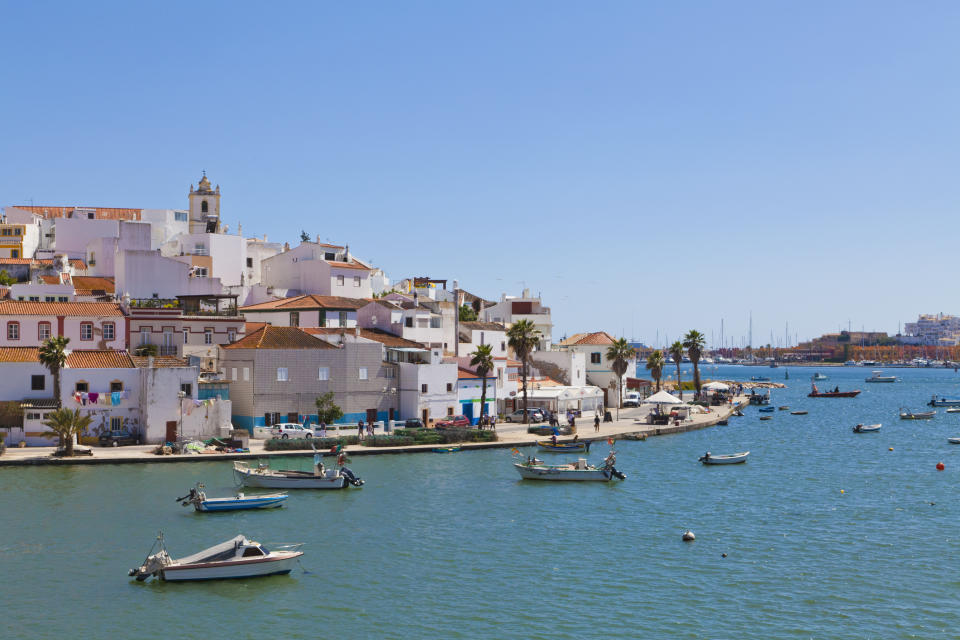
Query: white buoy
x=688, y=536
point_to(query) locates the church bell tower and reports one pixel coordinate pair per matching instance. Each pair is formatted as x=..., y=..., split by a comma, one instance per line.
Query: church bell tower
x=204, y=207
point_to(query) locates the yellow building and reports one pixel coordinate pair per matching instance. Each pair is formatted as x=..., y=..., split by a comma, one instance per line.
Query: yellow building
x=11, y=240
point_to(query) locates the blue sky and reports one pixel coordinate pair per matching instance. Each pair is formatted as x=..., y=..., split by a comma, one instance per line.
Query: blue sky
x=647, y=167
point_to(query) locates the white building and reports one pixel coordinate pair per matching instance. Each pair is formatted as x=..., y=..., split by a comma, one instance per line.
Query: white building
x=165, y=224
x=258, y=250
x=320, y=268
x=934, y=329
x=511, y=309
x=306, y=311
x=598, y=369
x=428, y=390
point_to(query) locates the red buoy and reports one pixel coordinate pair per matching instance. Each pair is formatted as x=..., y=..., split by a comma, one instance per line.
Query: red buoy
x=940, y=466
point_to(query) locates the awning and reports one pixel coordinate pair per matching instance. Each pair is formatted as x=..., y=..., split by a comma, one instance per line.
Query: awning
x=409, y=349
x=662, y=397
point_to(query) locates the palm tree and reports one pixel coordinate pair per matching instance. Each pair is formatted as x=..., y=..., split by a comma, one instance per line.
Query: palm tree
x=620, y=353
x=53, y=355
x=64, y=424
x=655, y=363
x=694, y=343
x=483, y=360
x=676, y=352
x=523, y=337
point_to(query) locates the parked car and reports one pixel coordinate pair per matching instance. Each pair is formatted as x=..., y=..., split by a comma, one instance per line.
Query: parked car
x=454, y=422
x=632, y=399
x=286, y=430
x=118, y=437
x=413, y=423
x=536, y=415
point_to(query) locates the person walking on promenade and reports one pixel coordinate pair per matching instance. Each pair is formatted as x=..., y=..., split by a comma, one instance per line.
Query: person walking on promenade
x=323, y=429
x=370, y=429
x=596, y=422
x=360, y=430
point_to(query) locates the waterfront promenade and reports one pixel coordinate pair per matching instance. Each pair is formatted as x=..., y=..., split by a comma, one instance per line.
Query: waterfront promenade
x=630, y=425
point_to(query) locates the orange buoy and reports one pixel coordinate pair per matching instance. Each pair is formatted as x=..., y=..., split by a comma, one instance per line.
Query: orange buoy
x=940, y=466
x=890, y=449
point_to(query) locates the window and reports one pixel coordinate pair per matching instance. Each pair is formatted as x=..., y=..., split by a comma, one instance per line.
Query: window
x=14, y=253
x=13, y=331
x=503, y=346
x=90, y=215
x=283, y=374
x=144, y=335
x=246, y=374
x=43, y=330
x=6, y=232
x=231, y=336
x=249, y=263
x=294, y=318
x=373, y=320
x=323, y=318
x=329, y=255
x=187, y=389
x=435, y=322
x=208, y=336
x=116, y=385
x=49, y=298
x=343, y=318
x=116, y=424
x=408, y=321
x=93, y=258
x=233, y=374
x=324, y=373
x=37, y=383
x=86, y=331
x=363, y=373
x=62, y=299
x=81, y=387
x=186, y=336
x=34, y=298
x=180, y=216
x=200, y=272
x=356, y=281
x=16, y=232
x=449, y=411
x=389, y=373
x=109, y=331
x=340, y=280
x=203, y=207
x=449, y=386
x=595, y=357
x=423, y=388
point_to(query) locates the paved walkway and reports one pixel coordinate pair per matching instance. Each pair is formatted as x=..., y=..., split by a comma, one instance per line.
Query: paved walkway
x=629, y=426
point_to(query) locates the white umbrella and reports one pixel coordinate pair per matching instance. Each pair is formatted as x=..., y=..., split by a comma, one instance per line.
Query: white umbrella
x=719, y=386
x=662, y=397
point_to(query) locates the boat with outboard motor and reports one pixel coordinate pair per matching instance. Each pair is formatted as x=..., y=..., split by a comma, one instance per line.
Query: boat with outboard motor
x=877, y=376
x=336, y=477
x=235, y=558
x=533, y=469
x=867, y=428
x=819, y=376
x=564, y=447
x=943, y=401
x=836, y=393
x=733, y=458
x=198, y=498
x=906, y=414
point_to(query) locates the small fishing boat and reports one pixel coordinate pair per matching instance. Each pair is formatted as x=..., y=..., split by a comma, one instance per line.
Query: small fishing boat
x=533, y=469
x=737, y=413
x=446, y=449
x=759, y=398
x=819, y=376
x=759, y=379
x=801, y=412
x=766, y=410
x=198, y=498
x=563, y=447
x=722, y=423
x=943, y=401
x=953, y=409
x=878, y=376
x=733, y=458
x=816, y=393
x=866, y=428
x=906, y=414
x=766, y=417
x=784, y=408
x=337, y=477
x=953, y=440
x=235, y=558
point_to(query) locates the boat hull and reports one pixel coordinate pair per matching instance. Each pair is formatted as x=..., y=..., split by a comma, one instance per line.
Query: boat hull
x=544, y=472
x=240, y=504
x=254, y=568
x=736, y=458
x=945, y=402
x=251, y=478
x=562, y=447
x=833, y=394
x=867, y=428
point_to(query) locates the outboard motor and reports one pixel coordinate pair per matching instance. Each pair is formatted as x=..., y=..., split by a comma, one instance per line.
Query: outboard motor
x=351, y=478
x=618, y=474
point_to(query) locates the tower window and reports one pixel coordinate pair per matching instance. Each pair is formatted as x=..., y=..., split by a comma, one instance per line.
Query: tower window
x=203, y=206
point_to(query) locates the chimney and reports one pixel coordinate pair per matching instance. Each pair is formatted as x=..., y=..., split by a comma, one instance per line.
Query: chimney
x=150, y=362
x=356, y=332
x=346, y=253
x=286, y=247
x=264, y=237
x=318, y=239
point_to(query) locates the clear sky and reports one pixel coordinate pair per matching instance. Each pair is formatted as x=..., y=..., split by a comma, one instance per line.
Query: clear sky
x=647, y=167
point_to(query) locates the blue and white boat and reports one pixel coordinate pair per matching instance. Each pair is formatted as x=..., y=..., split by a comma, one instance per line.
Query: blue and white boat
x=943, y=401
x=201, y=502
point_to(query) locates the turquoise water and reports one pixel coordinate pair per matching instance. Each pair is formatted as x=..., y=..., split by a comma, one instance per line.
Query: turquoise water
x=456, y=546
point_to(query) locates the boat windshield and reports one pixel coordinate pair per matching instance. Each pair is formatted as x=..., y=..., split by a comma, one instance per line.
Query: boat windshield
x=253, y=551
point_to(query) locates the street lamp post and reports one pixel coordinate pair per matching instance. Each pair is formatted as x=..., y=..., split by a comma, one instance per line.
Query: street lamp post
x=180, y=396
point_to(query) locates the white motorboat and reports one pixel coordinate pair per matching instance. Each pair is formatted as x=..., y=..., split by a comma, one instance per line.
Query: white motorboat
x=235, y=558
x=336, y=477
x=953, y=409
x=953, y=440
x=733, y=458
x=533, y=469
x=867, y=428
x=906, y=414
x=198, y=498
x=877, y=376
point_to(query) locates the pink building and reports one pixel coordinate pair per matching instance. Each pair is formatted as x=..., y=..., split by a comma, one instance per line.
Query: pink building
x=89, y=325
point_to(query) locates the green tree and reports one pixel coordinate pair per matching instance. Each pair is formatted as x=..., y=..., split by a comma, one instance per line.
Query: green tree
x=146, y=350
x=304, y=236
x=328, y=411
x=6, y=279
x=53, y=355
x=65, y=424
x=676, y=352
x=619, y=354
x=695, y=343
x=655, y=363
x=523, y=337
x=467, y=313
x=483, y=360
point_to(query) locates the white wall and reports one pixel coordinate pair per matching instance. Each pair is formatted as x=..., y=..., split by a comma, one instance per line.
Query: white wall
x=437, y=399
x=572, y=363
x=72, y=235
x=163, y=225
x=141, y=274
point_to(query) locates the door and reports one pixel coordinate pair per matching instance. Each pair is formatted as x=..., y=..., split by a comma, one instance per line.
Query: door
x=371, y=415
x=171, y=431
x=468, y=410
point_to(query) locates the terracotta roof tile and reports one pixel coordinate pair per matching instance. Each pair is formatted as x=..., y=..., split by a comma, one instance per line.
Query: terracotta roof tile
x=377, y=335
x=100, y=213
x=50, y=279
x=599, y=338
x=19, y=354
x=86, y=285
x=20, y=308
x=348, y=265
x=308, y=301
x=331, y=246
x=270, y=337
x=160, y=362
x=100, y=359
x=483, y=326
